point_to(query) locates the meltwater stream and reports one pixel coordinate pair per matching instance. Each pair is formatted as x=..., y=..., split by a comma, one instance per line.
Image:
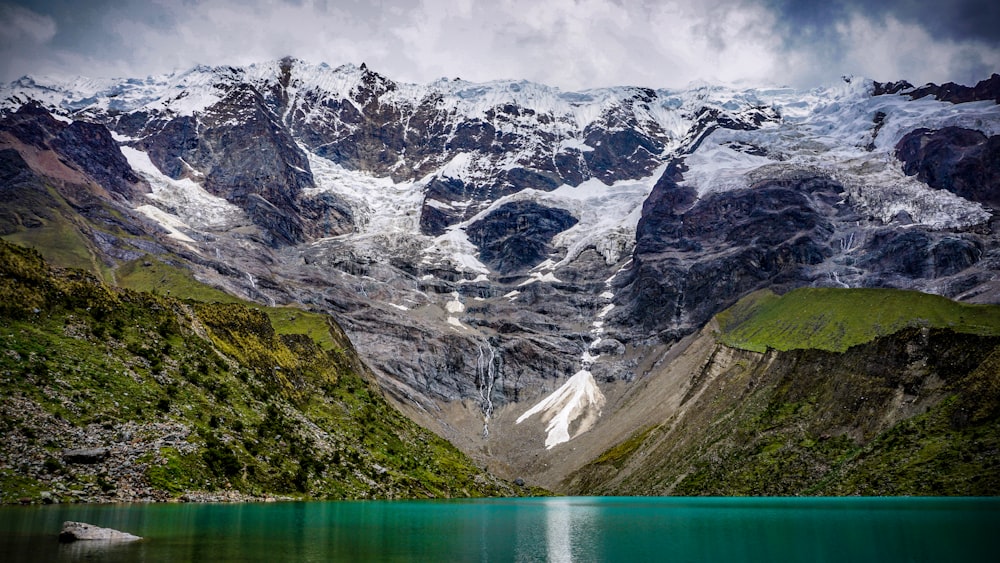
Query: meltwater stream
x=552, y=529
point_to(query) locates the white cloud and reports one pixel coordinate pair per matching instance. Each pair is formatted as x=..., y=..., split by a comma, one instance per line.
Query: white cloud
x=586, y=43
x=572, y=44
x=889, y=49
x=717, y=43
x=241, y=33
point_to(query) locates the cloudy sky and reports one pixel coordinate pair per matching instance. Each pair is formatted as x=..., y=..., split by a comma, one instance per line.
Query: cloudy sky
x=572, y=44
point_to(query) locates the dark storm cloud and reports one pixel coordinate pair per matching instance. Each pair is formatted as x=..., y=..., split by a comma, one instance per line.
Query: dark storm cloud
x=87, y=24
x=919, y=40
x=949, y=19
x=944, y=19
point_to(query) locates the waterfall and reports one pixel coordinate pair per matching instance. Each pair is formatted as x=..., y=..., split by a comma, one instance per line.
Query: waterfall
x=253, y=286
x=487, y=369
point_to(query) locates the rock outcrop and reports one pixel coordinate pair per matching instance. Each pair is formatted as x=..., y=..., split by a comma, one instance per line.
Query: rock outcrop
x=516, y=236
x=988, y=89
x=80, y=531
x=963, y=161
x=694, y=257
x=85, y=455
x=87, y=147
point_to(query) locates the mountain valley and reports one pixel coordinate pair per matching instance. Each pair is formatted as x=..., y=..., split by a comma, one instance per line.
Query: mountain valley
x=615, y=291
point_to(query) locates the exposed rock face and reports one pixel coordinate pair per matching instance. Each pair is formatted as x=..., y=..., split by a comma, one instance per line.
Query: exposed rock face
x=962, y=161
x=698, y=247
x=888, y=88
x=68, y=189
x=693, y=257
x=920, y=255
x=238, y=136
x=988, y=89
x=87, y=147
x=242, y=153
x=80, y=142
x=325, y=215
x=80, y=531
x=516, y=236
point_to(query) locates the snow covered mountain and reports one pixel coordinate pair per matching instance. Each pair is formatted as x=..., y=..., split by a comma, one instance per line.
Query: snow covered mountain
x=509, y=256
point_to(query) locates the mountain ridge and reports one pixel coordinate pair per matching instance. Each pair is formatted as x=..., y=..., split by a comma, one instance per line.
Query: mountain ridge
x=644, y=213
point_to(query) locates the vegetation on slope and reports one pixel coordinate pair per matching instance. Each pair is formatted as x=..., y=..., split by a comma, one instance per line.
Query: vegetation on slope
x=113, y=394
x=40, y=217
x=154, y=275
x=914, y=412
x=835, y=319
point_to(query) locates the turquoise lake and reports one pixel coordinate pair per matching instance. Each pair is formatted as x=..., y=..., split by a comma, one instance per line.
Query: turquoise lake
x=552, y=529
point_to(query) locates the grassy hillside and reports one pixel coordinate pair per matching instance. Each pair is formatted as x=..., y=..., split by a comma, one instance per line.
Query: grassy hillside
x=835, y=319
x=907, y=409
x=169, y=398
x=153, y=275
x=38, y=216
x=156, y=276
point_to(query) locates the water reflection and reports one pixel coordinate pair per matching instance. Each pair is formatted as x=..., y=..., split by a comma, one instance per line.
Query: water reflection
x=572, y=532
x=557, y=530
x=98, y=551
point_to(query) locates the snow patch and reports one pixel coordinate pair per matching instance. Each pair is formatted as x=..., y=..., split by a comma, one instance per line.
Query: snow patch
x=832, y=132
x=185, y=198
x=578, y=398
x=575, y=144
x=380, y=206
x=171, y=223
x=547, y=277
x=455, y=248
x=455, y=305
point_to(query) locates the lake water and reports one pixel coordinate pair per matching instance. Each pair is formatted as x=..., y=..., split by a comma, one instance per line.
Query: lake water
x=551, y=529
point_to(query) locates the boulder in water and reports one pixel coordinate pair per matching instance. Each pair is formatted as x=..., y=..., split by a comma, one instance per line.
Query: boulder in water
x=78, y=531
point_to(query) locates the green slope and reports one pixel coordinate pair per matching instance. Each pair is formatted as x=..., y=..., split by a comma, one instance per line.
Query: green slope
x=38, y=216
x=192, y=397
x=157, y=276
x=826, y=392
x=835, y=319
